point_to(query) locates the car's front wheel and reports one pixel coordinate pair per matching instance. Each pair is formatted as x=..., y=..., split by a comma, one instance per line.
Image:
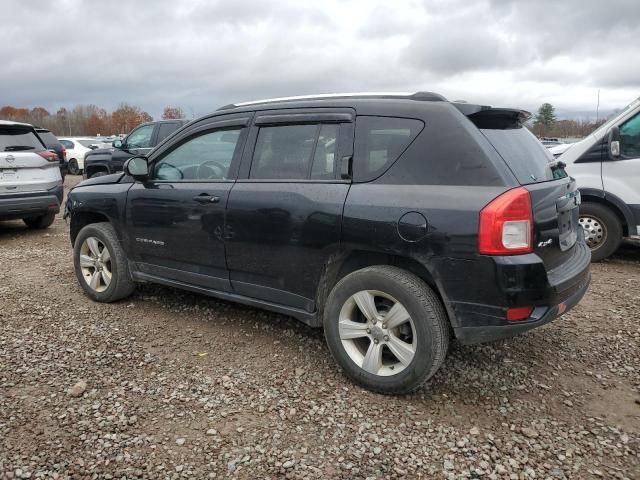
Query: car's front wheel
x=101, y=264
x=602, y=230
x=386, y=328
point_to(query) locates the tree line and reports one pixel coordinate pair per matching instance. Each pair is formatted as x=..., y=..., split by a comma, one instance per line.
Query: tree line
x=545, y=124
x=86, y=120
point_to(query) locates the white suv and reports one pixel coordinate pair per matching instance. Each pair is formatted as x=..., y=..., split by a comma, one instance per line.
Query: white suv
x=606, y=165
x=30, y=181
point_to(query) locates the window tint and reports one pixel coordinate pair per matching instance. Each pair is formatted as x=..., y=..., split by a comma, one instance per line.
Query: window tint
x=284, y=152
x=88, y=143
x=67, y=144
x=527, y=158
x=630, y=138
x=324, y=160
x=205, y=157
x=13, y=139
x=140, y=138
x=379, y=143
x=166, y=129
x=48, y=138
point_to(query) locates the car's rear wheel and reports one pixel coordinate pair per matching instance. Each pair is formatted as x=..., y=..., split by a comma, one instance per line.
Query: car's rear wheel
x=386, y=328
x=41, y=221
x=602, y=230
x=101, y=264
x=73, y=167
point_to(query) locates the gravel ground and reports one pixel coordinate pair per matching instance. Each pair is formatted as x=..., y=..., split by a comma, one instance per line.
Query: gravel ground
x=169, y=384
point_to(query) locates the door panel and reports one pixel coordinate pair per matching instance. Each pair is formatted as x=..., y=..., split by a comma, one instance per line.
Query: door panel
x=279, y=236
x=176, y=231
x=621, y=177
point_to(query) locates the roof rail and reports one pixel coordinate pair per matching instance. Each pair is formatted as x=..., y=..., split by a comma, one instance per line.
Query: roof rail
x=422, y=96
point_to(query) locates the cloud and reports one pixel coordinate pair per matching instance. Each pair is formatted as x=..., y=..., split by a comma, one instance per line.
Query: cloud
x=203, y=54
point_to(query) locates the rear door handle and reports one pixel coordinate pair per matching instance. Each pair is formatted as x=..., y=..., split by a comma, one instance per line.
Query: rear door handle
x=206, y=198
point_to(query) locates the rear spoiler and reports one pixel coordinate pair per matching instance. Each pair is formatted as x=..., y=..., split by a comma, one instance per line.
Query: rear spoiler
x=484, y=116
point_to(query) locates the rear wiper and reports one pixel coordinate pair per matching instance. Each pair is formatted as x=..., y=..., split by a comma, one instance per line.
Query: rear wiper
x=18, y=148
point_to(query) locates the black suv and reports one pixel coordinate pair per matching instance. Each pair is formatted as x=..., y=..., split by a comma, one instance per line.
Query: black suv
x=139, y=141
x=52, y=143
x=392, y=221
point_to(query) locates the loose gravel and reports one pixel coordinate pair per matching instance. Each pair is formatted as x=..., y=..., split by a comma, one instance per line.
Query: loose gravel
x=168, y=384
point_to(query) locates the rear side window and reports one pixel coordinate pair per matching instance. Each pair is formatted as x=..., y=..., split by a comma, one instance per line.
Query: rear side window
x=379, y=142
x=67, y=144
x=15, y=139
x=166, y=129
x=295, y=152
x=527, y=158
x=49, y=139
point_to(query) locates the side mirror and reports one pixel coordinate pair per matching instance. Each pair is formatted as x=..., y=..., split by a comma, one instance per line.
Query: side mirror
x=614, y=143
x=137, y=167
x=117, y=143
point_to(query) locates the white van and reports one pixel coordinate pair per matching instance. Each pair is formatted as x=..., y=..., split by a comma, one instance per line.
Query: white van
x=606, y=165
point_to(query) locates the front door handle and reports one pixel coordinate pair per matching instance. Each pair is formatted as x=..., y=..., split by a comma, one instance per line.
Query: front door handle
x=206, y=198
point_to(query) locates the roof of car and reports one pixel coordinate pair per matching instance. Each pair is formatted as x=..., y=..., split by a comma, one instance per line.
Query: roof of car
x=11, y=122
x=420, y=96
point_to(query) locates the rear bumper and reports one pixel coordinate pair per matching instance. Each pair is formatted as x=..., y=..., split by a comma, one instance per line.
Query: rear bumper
x=518, y=282
x=28, y=204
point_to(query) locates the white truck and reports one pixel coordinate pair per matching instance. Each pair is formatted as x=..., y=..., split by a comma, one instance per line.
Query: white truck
x=606, y=165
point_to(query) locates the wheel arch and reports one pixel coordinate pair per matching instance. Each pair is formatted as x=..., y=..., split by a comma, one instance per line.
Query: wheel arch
x=341, y=265
x=611, y=201
x=81, y=219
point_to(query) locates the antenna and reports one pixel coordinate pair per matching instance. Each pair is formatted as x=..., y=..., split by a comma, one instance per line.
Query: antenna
x=598, y=106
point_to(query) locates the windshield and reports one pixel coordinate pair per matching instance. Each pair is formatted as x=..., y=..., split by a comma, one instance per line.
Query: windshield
x=610, y=122
x=527, y=158
x=88, y=143
x=14, y=139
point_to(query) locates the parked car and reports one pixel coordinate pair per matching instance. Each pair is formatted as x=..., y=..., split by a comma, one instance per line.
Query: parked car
x=551, y=142
x=393, y=221
x=30, y=180
x=77, y=148
x=54, y=144
x=141, y=140
x=606, y=165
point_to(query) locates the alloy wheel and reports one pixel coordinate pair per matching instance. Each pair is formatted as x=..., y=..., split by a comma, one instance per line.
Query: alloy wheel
x=377, y=332
x=95, y=264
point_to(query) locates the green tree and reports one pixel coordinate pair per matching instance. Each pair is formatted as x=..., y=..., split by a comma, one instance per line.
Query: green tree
x=545, y=119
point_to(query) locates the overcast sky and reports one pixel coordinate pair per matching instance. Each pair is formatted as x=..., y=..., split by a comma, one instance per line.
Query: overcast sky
x=203, y=54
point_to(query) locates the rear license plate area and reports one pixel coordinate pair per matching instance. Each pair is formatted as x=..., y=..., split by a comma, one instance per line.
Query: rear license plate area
x=568, y=219
x=8, y=174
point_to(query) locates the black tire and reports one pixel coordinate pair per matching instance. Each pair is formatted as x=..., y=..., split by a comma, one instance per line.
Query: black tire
x=101, y=173
x=40, y=222
x=425, y=309
x=73, y=167
x=608, y=225
x=121, y=285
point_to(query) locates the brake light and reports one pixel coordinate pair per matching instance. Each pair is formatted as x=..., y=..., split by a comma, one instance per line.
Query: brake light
x=515, y=314
x=506, y=224
x=48, y=156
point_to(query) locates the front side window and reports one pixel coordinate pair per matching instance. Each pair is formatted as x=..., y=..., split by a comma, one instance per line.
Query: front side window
x=140, y=138
x=630, y=138
x=379, y=143
x=295, y=152
x=205, y=157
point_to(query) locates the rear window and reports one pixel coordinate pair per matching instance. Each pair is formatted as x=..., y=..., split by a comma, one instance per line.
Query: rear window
x=379, y=143
x=527, y=158
x=14, y=139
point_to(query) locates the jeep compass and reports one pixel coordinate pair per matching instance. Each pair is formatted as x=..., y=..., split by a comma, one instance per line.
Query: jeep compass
x=393, y=221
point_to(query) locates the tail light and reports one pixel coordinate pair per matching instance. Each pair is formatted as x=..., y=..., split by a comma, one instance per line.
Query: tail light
x=506, y=224
x=48, y=155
